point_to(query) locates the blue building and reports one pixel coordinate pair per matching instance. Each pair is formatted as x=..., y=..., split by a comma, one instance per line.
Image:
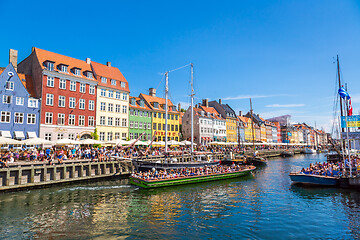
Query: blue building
x=19, y=110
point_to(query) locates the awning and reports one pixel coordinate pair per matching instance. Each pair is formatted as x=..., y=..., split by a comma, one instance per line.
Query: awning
x=19, y=135
x=31, y=134
x=6, y=134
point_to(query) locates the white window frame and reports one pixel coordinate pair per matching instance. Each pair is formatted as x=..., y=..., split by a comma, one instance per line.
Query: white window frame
x=113, y=82
x=7, y=99
x=91, y=121
x=49, y=116
x=48, y=136
x=118, y=95
x=103, y=92
x=49, y=99
x=122, y=84
x=110, y=107
x=111, y=94
x=110, y=121
x=72, y=101
x=102, y=106
x=117, y=108
x=62, y=84
x=18, y=118
x=62, y=101
x=77, y=72
x=32, y=103
x=73, y=86
x=92, y=89
x=124, y=96
x=31, y=118
x=50, y=81
x=61, y=117
x=20, y=101
x=71, y=119
x=82, y=104
x=102, y=120
x=83, y=87
x=9, y=86
x=124, y=109
x=7, y=117
x=91, y=105
x=81, y=120
x=103, y=79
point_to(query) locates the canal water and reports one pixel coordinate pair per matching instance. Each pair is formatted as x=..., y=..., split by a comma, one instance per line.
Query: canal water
x=262, y=206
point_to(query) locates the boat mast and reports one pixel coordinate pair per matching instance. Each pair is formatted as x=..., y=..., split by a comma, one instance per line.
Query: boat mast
x=192, y=108
x=166, y=109
x=341, y=102
x=252, y=126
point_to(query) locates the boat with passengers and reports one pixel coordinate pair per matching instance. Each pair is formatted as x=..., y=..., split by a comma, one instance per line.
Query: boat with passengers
x=173, y=177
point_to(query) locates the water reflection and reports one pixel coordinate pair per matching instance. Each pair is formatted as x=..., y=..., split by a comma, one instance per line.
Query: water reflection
x=259, y=206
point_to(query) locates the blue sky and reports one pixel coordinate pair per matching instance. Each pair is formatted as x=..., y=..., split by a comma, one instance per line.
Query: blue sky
x=281, y=53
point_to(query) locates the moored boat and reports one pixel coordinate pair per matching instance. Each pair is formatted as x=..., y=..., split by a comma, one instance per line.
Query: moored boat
x=287, y=153
x=314, y=180
x=309, y=151
x=256, y=161
x=140, y=182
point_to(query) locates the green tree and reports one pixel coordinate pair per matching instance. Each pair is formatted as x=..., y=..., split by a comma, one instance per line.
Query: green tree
x=95, y=135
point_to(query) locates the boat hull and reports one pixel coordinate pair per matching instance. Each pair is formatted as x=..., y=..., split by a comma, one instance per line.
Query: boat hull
x=188, y=180
x=287, y=154
x=145, y=166
x=309, y=151
x=315, y=180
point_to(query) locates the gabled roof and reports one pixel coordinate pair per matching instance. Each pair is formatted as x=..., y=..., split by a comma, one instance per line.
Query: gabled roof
x=114, y=73
x=150, y=99
x=214, y=113
x=137, y=104
x=43, y=56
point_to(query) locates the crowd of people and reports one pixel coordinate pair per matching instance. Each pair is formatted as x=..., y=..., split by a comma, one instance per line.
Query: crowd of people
x=186, y=172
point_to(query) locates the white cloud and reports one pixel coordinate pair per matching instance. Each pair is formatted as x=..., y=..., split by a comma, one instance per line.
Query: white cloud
x=255, y=96
x=284, y=105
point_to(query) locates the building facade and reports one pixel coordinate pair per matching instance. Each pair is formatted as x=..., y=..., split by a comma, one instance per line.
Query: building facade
x=139, y=119
x=18, y=108
x=67, y=88
x=219, y=123
x=112, y=108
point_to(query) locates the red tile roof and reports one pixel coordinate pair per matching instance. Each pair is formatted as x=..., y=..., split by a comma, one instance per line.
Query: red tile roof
x=137, y=105
x=114, y=73
x=43, y=56
x=150, y=99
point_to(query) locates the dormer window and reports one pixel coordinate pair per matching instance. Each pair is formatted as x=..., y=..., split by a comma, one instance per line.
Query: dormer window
x=133, y=101
x=173, y=108
x=89, y=75
x=49, y=65
x=77, y=71
x=64, y=68
x=113, y=82
x=141, y=103
x=156, y=104
x=122, y=84
x=103, y=80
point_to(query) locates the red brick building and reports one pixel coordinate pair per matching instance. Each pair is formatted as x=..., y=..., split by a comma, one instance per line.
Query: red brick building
x=67, y=89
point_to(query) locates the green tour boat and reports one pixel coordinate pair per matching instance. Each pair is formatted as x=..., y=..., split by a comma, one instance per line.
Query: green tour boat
x=190, y=179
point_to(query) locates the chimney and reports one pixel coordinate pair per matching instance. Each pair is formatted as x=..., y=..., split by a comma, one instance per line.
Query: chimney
x=240, y=113
x=152, y=92
x=205, y=102
x=13, y=54
x=88, y=60
x=108, y=64
x=220, y=102
x=179, y=107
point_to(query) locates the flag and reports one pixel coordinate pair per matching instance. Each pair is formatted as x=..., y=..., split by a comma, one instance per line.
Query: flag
x=350, y=108
x=343, y=93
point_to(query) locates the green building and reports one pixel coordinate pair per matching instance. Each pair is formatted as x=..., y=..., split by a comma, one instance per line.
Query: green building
x=139, y=119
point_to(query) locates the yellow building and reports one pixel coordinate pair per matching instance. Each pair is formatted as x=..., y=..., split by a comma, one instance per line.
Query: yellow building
x=247, y=128
x=157, y=105
x=112, y=106
x=231, y=129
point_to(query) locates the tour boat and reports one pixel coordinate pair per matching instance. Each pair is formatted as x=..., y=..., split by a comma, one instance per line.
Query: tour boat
x=309, y=151
x=287, y=153
x=189, y=179
x=314, y=180
x=256, y=161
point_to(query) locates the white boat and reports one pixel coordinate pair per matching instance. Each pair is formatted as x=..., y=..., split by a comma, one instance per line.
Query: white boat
x=309, y=151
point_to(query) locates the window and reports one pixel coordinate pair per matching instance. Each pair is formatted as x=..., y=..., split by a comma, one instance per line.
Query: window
x=135, y=112
x=124, y=122
x=6, y=99
x=91, y=105
x=110, y=121
x=145, y=114
x=61, y=119
x=82, y=104
x=103, y=80
x=131, y=124
x=5, y=117
x=50, y=81
x=72, y=86
x=102, y=120
x=145, y=126
x=62, y=83
x=113, y=82
x=48, y=118
x=89, y=75
x=140, y=113
x=117, y=122
x=154, y=126
x=176, y=128
x=9, y=86
x=77, y=71
x=82, y=87
x=102, y=136
x=81, y=120
x=50, y=66
x=136, y=135
x=48, y=136
x=31, y=118
x=117, y=95
x=19, y=118
x=72, y=102
x=117, y=108
x=91, y=89
x=131, y=135
x=135, y=124
x=122, y=84
x=140, y=125
x=32, y=103
x=72, y=136
x=49, y=99
x=149, y=125
x=64, y=68
x=172, y=117
x=60, y=136
x=103, y=92
x=164, y=117
x=109, y=136
x=159, y=126
x=111, y=93
x=159, y=115
x=117, y=135
x=91, y=121
x=110, y=107
x=61, y=101
x=125, y=96
x=124, y=109
x=176, y=117
x=154, y=115
x=19, y=101
x=123, y=135
x=102, y=106
x=71, y=119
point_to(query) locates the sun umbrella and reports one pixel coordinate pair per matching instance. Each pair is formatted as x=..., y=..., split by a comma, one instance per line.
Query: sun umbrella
x=66, y=141
x=9, y=141
x=90, y=141
x=187, y=142
x=36, y=141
